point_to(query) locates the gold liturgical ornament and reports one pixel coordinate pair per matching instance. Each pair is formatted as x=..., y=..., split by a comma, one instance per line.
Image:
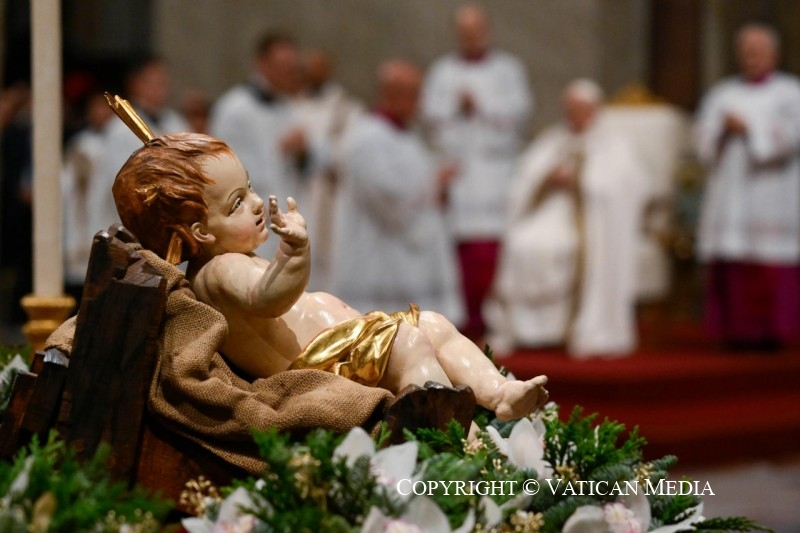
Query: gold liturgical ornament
x=125, y=111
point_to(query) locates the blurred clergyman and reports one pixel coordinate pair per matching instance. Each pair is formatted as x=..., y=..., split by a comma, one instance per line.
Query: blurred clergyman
x=327, y=111
x=477, y=103
x=390, y=246
x=748, y=134
x=567, y=272
x=147, y=86
x=259, y=120
x=80, y=181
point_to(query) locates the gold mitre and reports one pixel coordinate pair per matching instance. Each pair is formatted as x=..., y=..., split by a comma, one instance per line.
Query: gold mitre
x=125, y=111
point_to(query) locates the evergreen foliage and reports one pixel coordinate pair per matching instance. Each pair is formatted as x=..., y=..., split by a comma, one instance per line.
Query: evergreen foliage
x=307, y=487
x=47, y=489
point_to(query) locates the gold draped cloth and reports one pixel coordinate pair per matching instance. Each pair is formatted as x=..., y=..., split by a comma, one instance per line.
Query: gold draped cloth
x=357, y=349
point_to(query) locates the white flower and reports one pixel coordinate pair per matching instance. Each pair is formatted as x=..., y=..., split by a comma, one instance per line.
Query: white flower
x=231, y=518
x=421, y=515
x=389, y=465
x=586, y=519
x=491, y=512
x=17, y=364
x=524, y=446
x=695, y=515
x=620, y=519
x=611, y=518
x=637, y=502
x=20, y=483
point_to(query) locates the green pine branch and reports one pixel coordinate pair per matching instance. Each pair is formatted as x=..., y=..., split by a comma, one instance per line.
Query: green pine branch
x=51, y=486
x=732, y=523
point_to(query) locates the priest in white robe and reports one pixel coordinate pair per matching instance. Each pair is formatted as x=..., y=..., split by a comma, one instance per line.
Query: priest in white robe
x=78, y=178
x=260, y=122
x=477, y=104
x=391, y=247
x=327, y=111
x=748, y=133
x=567, y=273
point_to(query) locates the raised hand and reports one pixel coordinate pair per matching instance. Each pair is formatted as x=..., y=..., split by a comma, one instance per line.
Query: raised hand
x=289, y=226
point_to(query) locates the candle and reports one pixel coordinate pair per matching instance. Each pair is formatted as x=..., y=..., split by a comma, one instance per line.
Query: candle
x=47, y=131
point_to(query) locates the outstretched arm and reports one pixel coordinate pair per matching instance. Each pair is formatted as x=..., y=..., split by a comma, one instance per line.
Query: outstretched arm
x=286, y=277
x=254, y=286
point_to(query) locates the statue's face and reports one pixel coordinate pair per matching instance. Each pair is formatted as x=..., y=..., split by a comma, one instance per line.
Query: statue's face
x=237, y=220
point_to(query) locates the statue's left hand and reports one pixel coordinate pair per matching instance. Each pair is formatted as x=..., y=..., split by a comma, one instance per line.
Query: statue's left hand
x=289, y=226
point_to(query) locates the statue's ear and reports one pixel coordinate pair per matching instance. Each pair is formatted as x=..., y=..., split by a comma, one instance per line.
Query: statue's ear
x=201, y=234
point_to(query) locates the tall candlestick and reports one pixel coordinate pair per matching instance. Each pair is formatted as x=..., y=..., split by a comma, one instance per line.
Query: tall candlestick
x=47, y=132
x=46, y=307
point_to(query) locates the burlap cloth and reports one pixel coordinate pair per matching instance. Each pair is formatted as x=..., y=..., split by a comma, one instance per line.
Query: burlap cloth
x=196, y=394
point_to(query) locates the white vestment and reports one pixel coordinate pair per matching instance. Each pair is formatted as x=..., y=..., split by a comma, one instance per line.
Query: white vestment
x=119, y=143
x=326, y=116
x=253, y=122
x=390, y=246
x=542, y=261
x=751, y=207
x=484, y=145
x=78, y=179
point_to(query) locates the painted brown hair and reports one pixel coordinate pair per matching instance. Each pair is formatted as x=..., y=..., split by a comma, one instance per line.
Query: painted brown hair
x=159, y=190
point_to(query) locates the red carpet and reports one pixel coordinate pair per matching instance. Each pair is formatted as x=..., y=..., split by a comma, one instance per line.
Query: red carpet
x=687, y=397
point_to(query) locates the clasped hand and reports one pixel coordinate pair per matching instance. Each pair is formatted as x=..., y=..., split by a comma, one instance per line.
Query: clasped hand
x=564, y=176
x=735, y=125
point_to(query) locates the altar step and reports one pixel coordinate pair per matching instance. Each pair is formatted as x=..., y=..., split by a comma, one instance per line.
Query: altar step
x=702, y=405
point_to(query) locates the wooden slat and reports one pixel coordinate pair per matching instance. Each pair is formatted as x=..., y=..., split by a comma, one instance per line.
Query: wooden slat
x=113, y=354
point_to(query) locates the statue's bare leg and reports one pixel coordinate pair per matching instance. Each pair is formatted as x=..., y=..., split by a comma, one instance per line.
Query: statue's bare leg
x=465, y=364
x=412, y=361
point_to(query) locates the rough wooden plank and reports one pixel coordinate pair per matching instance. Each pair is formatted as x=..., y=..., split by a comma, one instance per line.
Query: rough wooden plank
x=42, y=409
x=113, y=354
x=433, y=406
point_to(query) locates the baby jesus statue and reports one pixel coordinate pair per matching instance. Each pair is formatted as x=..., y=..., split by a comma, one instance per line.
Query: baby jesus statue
x=188, y=197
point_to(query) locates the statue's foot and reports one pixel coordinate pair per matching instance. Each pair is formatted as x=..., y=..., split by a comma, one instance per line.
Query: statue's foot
x=519, y=398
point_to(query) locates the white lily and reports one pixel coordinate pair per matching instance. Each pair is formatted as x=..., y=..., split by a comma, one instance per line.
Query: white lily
x=231, y=517
x=639, y=505
x=421, y=515
x=524, y=446
x=610, y=518
x=695, y=515
x=586, y=519
x=17, y=364
x=629, y=515
x=20, y=483
x=492, y=512
x=620, y=519
x=389, y=465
